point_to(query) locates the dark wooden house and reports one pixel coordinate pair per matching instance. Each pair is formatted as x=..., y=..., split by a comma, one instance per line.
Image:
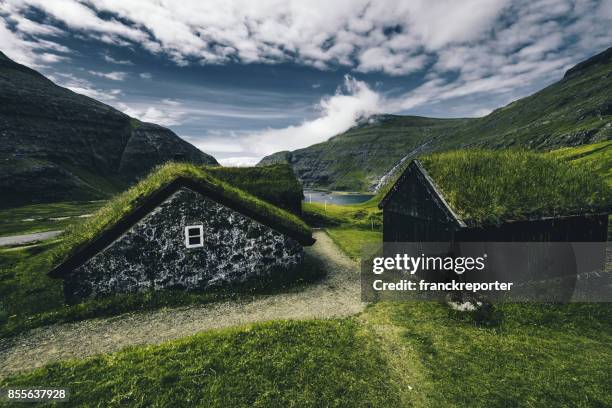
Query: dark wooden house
x=479, y=201
x=419, y=208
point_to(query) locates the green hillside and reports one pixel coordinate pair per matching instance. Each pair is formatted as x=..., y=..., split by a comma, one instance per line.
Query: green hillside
x=576, y=110
x=597, y=156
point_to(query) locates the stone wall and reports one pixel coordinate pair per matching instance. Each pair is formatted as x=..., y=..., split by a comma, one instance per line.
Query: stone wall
x=153, y=255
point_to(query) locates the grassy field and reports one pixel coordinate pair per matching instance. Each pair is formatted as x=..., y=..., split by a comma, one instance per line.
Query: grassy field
x=352, y=240
x=492, y=358
x=44, y=217
x=597, y=157
x=393, y=354
x=364, y=216
x=531, y=355
x=331, y=363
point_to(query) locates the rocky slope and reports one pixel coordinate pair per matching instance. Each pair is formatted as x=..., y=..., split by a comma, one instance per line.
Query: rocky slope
x=574, y=111
x=58, y=145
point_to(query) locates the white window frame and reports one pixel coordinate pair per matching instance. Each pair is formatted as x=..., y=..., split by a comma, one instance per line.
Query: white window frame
x=200, y=234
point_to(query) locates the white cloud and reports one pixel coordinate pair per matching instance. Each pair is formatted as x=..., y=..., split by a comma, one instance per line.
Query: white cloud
x=24, y=50
x=216, y=145
x=112, y=60
x=469, y=52
x=383, y=59
x=154, y=114
x=337, y=114
x=49, y=57
x=100, y=95
x=386, y=35
x=25, y=25
x=84, y=87
x=390, y=36
x=114, y=76
x=240, y=161
x=170, y=102
x=146, y=75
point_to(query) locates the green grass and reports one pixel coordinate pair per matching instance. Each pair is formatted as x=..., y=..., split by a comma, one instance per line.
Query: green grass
x=352, y=240
x=491, y=358
x=393, y=354
x=537, y=355
x=116, y=208
x=364, y=215
x=597, y=156
x=38, y=217
x=485, y=186
x=331, y=363
x=275, y=183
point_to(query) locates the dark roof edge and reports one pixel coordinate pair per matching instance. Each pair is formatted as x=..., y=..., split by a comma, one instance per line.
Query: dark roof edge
x=439, y=194
x=430, y=184
x=392, y=190
x=528, y=218
x=109, y=235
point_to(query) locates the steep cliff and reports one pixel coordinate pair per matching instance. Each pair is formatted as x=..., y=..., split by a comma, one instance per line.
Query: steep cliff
x=58, y=145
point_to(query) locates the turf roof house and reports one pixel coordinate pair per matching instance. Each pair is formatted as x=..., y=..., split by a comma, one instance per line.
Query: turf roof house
x=486, y=196
x=183, y=228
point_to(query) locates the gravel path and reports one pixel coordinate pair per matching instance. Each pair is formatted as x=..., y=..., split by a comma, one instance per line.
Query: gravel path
x=23, y=239
x=336, y=295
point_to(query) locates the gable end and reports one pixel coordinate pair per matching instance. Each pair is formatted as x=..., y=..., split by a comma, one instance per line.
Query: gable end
x=415, y=170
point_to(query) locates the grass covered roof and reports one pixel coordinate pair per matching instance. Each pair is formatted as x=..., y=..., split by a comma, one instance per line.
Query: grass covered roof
x=275, y=183
x=486, y=186
x=79, y=235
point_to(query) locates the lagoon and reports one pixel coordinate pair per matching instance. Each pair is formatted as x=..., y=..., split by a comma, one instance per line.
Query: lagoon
x=341, y=198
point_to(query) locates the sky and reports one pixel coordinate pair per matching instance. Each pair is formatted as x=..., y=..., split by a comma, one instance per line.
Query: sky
x=242, y=79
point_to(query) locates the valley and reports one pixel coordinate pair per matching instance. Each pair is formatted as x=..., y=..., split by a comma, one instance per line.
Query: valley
x=574, y=111
x=304, y=338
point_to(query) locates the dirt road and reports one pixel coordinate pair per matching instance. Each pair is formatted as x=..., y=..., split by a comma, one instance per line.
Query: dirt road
x=24, y=239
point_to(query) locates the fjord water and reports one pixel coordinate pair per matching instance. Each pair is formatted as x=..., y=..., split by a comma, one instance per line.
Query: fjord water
x=335, y=198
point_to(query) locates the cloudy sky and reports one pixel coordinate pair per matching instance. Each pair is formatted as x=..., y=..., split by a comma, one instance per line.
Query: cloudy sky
x=242, y=79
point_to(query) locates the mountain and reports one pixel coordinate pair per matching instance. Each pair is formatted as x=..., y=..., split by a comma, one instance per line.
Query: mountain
x=574, y=111
x=58, y=145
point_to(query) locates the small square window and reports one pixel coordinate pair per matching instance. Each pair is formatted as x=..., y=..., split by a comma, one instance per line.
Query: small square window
x=194, y=236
